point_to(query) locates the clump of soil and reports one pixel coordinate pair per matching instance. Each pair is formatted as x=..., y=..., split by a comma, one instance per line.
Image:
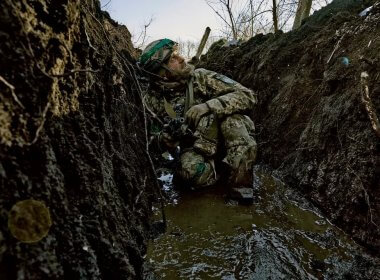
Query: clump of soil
x=72, y=137
x=311, y=121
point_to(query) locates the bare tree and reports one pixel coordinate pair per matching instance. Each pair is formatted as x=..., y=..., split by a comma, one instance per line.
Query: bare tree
x=187, y=48
x=105, y=5
x=242, y=19
x=223, y=9
x=275, y=16
x=303, y=11
x=317, y=4
x=141, y=39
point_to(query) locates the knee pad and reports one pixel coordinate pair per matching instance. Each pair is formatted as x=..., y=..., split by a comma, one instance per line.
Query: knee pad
x=195, y=170
x=237, y=130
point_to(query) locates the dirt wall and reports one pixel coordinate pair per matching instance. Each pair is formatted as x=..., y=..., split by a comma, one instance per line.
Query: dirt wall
x=72, y=136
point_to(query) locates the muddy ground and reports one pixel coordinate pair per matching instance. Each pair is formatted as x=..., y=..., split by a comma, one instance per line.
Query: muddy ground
x=311, y=122
x=72, y=136
x=281, y=236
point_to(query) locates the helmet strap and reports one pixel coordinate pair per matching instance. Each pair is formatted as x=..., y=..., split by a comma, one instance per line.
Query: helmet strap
x=167, y=68
x=151, y=74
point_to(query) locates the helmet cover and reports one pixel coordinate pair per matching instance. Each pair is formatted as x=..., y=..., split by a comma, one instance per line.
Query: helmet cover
x=157, y=53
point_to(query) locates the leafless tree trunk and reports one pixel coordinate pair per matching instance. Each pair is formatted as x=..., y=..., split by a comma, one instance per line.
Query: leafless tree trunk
x=252, y=19
x=228, y=5
x=275, y=17
x=303, y=11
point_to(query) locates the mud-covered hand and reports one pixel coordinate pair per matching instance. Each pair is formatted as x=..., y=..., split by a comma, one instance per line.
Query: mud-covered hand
x=195, y=113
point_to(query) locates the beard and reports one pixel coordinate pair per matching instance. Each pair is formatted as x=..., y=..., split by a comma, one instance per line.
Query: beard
x=181, y=75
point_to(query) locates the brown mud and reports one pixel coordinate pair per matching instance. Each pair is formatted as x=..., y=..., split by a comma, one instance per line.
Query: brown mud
x=311, y=123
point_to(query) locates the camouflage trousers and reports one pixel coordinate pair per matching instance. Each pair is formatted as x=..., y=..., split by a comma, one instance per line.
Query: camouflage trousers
x=239, y=148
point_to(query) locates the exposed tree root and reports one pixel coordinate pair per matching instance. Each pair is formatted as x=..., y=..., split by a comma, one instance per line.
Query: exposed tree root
x=43, y=119
x=368, y=103
x=12, y=88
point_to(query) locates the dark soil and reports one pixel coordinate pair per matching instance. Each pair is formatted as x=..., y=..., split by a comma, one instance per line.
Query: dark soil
x=311, y=122
x=72, y=136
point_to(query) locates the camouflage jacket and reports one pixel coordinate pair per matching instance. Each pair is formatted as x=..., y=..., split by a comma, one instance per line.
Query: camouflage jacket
x=223, y=95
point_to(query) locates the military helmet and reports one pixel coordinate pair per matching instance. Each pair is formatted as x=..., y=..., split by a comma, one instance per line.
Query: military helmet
x=157, y=53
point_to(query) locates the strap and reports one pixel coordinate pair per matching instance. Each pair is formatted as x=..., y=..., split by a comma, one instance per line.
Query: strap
x=189, y=94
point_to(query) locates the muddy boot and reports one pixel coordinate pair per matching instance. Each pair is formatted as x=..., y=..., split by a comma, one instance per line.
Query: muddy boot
x=246, y=194
x=243, y=195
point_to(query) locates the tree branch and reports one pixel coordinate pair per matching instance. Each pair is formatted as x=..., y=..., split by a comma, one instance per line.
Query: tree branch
x=12, y=88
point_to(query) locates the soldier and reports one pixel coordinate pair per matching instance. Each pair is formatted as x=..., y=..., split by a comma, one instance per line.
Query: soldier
x=214, y=107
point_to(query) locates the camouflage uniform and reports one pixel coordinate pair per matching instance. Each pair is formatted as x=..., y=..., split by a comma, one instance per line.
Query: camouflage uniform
x=227, y=101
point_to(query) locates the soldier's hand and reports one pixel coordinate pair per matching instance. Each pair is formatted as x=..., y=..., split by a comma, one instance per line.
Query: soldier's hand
x=195, y=113
x=167, y=140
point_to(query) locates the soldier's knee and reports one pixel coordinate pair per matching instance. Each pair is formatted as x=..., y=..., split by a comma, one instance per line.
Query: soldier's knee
x=231, y=122
x=195, y=170
x=237, y=130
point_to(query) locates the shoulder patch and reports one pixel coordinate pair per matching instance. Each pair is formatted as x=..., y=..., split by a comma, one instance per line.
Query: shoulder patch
x=224, y=79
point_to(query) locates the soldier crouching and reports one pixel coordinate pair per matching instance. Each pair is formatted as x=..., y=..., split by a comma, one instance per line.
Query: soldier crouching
x=214, y=108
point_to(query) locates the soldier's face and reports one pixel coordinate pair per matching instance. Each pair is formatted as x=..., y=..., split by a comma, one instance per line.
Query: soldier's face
x=180, y=69
x=176, y=62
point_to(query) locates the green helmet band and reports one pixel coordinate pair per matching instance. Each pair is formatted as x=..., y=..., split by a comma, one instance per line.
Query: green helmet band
x=153, y=58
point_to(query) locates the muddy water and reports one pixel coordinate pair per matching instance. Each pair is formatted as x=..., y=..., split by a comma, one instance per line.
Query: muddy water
x=280, y=236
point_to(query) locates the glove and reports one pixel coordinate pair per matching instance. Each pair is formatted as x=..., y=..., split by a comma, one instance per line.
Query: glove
x=194, y=114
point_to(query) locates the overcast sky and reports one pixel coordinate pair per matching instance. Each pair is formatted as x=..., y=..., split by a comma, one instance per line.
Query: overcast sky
x=185, y=19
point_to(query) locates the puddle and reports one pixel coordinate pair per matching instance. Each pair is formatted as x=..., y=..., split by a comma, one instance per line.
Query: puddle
x=280, y=236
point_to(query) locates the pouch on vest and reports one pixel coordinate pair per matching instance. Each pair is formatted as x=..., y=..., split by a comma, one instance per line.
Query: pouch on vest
x=207, y=136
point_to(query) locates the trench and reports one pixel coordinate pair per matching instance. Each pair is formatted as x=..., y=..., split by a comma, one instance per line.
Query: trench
x=280, y=236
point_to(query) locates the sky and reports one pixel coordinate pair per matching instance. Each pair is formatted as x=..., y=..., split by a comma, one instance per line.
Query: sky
x=173, y=19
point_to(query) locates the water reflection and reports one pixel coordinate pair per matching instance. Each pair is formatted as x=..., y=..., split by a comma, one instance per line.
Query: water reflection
x=281, y=236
